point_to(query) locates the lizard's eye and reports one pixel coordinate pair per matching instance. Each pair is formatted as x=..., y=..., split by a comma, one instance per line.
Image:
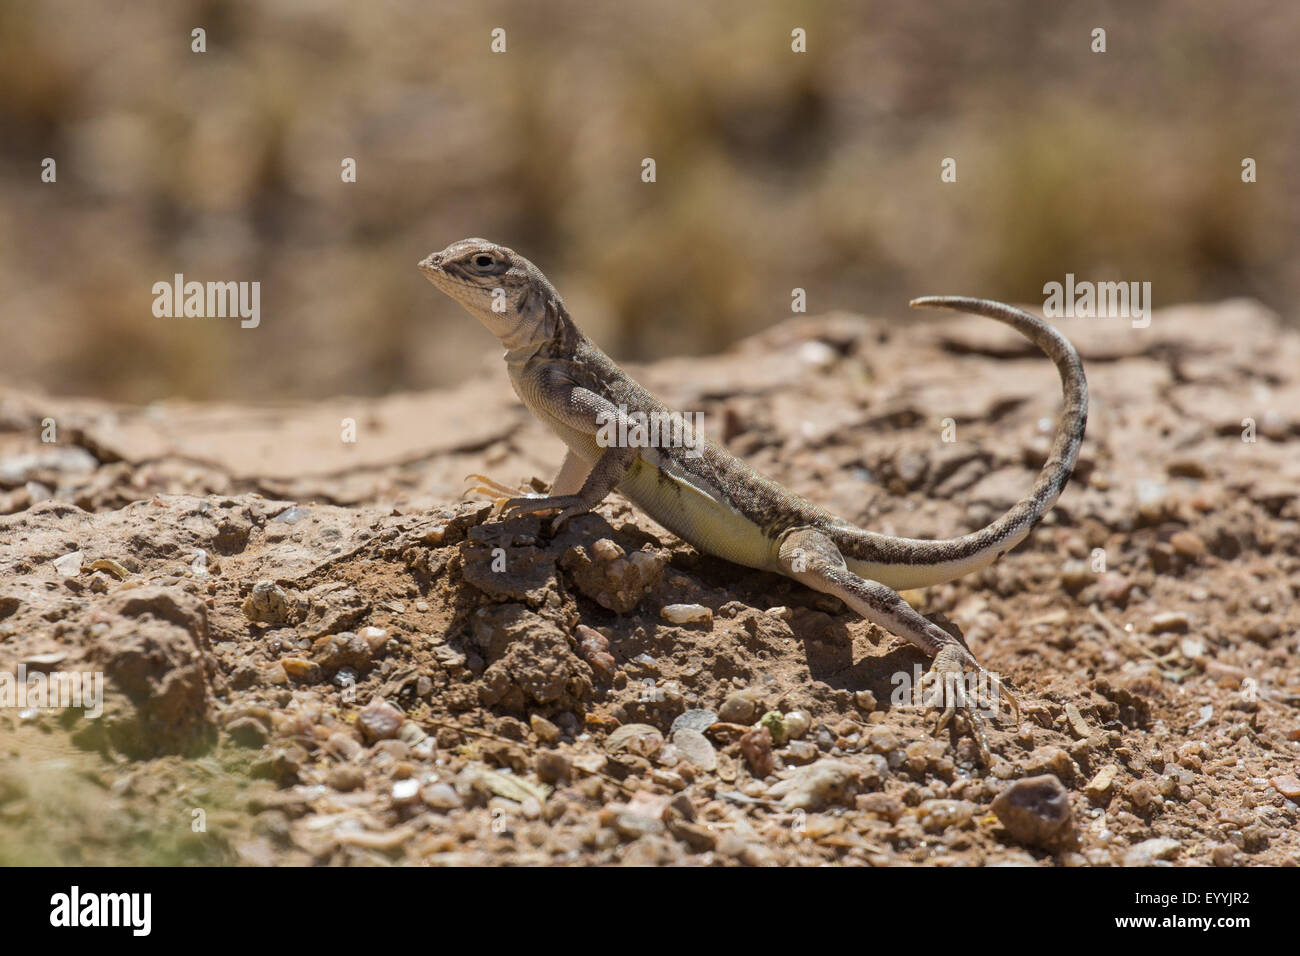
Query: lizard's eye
x=483, y=260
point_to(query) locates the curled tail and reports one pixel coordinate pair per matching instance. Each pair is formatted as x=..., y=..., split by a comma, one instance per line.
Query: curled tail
x=915, y=562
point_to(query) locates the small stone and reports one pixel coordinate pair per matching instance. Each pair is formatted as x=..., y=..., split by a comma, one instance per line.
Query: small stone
x=696, y=748
x=775, y=725
x=1099, y=787
x=267, y=603
x=797, y=724
x=632, y=826
x=700, y=720
x=344, y=746
x=440, y=796
x=307, y=672
x=816, y=786
x=1288, y=785
x=1166, y=621
x=346, y=778
x=1142, y=796
x=686, y=613
x=1036, y=811
x=1077, y=575
x=248, y=731
x=642, y=740
x=1187, y=544
x=1078, y=726
x=275, y=674
x=375, y=638
x=1224, y=854
x=1113, y=587
x=756, y=745
x=1148, y=851
x=406, y=791
x=739, y=708
x=44, y=662
x=69, y=565
x=546, y=731
x=380, y=720
x=938, y=815
x=1050, y=760
x=552, y=766
x=865, y=701
x=799, y=752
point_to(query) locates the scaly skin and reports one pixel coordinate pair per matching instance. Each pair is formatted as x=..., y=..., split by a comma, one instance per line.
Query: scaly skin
x=717, y=502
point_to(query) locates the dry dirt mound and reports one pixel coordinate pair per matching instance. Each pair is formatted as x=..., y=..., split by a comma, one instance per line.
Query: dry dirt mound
x=314, y=651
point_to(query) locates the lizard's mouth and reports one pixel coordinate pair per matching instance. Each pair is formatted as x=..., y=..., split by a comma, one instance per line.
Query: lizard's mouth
x=431, y=264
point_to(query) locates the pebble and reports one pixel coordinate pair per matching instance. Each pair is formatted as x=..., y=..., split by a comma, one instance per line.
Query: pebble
x=1036, y=811
x=344, y=746
x=686, y=613
x=267, y=603
x=248, y=731
x=1099, y=787
x=865, y=701
x=815, y=786
x=800, y=752
x=546, y=731
x=406, y=791
x=380, y=720
x=1078, y=726
x=775, y=725
x=938, y=815
x=1288, y=785
x=1166, y=621
x=42, y=662
x=1187, y=544
x=696, y=748
x=642, y=740
x=1148, y=851
x=552, y=766
x=69, y=565
x=739, y=708
x=1113, y=588
x=346, y=778
x=440, y=796
x=797, y=724
x=700, y=720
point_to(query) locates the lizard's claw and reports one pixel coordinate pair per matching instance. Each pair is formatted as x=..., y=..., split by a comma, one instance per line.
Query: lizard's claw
x=569, y=505
x=949, y=670
x=489, y=486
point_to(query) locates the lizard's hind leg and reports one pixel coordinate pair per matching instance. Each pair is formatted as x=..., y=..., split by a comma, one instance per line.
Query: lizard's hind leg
x=811, y=558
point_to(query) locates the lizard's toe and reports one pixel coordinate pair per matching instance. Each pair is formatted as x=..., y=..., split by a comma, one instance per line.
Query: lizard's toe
x=949, y=671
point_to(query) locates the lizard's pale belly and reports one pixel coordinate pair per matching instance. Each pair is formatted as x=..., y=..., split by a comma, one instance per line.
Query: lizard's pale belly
x=689, y=512
x=685, y=505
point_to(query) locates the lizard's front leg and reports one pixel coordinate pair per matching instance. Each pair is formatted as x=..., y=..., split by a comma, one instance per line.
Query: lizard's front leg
x=810, y=557
x=603, y=478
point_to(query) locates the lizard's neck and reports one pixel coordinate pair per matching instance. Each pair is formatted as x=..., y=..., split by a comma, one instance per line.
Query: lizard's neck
x=544, y=330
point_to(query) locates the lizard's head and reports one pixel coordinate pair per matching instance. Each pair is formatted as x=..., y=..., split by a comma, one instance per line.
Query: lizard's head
x=500, y=288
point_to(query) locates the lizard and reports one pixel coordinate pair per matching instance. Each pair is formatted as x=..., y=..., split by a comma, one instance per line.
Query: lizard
x=718, y=503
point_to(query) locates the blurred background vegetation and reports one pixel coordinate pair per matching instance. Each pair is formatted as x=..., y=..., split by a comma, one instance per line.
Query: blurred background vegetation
x=775, y=170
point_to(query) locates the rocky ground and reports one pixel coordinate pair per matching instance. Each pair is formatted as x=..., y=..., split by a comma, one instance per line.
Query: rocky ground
x=315, y=651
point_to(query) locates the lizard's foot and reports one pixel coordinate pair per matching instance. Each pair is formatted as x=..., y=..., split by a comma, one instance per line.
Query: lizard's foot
x=568, y=505
x=498, y=492
x=950, y=671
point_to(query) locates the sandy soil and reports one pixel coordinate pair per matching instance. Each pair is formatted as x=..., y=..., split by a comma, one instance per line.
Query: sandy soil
x=315, y=651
